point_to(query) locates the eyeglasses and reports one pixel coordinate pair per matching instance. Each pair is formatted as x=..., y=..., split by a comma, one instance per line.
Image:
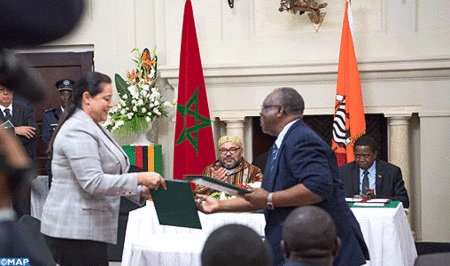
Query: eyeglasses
x=269, y=106
x=231, y=150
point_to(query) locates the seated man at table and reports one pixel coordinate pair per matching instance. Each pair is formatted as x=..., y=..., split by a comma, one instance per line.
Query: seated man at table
x=370, y=177
x=231, y=167
x=235, y=244
x=309, y=237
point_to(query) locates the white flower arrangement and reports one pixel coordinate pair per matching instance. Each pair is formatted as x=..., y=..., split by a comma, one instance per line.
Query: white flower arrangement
x=140, y=100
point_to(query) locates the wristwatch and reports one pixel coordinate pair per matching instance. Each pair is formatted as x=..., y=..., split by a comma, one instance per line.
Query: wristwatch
x=270, y=202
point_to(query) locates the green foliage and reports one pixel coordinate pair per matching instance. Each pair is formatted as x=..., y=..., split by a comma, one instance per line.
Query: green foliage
x=121, y=86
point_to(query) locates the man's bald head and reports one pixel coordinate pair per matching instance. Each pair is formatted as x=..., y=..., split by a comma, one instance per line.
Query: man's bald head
x=235, y=244
x=309, y=232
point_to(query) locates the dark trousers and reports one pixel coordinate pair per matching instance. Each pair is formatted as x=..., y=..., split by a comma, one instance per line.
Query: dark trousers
x=72, y=252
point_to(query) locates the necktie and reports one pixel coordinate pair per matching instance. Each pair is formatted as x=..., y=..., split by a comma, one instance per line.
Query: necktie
x=273, y=157
x=365, y=182
x=8, y=115
x=274, y=152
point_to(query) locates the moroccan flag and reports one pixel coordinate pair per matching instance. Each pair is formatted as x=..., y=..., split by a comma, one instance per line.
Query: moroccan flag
x=194, y=144
x=349, y=122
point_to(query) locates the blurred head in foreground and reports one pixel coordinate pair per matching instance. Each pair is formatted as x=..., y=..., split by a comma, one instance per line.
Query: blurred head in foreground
x=15, y=169
x=235, y=244
x=309, y=236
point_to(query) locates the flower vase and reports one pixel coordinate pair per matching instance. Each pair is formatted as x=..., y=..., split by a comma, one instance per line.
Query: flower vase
x=142, y=139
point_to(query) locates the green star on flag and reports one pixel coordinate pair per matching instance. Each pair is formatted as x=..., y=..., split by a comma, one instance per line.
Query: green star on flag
x=191, y=133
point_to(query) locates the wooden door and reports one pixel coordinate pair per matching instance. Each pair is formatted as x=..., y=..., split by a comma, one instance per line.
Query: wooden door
x=376, y=127
x=52, y=67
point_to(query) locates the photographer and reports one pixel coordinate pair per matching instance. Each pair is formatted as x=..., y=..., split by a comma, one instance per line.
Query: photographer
x=18, y=240
x=25, y=23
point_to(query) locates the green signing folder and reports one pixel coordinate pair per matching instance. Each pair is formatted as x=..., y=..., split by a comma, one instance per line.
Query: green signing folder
x=176, y=206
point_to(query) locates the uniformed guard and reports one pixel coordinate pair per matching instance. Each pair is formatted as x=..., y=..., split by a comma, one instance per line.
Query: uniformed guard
x=51, y=116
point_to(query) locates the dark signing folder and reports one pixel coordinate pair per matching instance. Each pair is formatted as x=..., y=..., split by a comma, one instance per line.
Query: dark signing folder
x=216, y=184
x=176, y=206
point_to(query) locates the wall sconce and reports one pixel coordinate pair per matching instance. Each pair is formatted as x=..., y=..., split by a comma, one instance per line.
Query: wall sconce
x=231, y=3
x=302, y=6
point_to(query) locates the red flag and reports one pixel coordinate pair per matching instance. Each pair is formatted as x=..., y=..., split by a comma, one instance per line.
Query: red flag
x=349, y=122
x=194, y=144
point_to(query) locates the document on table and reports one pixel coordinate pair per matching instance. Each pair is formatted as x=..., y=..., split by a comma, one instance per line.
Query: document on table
x=353, y=199
x=372, y=202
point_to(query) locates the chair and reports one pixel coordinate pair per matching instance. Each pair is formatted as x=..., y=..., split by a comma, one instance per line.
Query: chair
x=432, y=247
x=435, y=259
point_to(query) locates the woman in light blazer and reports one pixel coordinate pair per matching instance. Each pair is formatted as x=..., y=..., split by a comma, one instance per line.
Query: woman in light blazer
x=89, y=169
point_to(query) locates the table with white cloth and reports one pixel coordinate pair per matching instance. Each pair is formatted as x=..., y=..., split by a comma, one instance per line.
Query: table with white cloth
x=39, y=193
x=386, y=232
x=387, y=235
x=149, y=243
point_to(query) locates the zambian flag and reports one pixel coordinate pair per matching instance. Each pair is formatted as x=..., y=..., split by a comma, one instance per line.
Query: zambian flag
x=349, y=121
x=148, y=158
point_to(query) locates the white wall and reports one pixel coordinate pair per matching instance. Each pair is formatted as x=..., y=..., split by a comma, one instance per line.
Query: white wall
x=402, y=46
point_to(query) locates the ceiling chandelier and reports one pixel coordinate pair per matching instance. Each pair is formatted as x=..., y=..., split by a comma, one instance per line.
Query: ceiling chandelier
x=302, y=6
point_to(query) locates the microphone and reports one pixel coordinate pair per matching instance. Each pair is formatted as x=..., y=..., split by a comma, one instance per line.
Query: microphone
x=34, y=22
x=15, y=77
x=28, y=23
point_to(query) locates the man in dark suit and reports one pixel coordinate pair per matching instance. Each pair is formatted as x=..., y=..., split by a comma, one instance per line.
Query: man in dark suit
x=20, y=119
x=23, y=120
x=384, y=180
x=301, y=170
